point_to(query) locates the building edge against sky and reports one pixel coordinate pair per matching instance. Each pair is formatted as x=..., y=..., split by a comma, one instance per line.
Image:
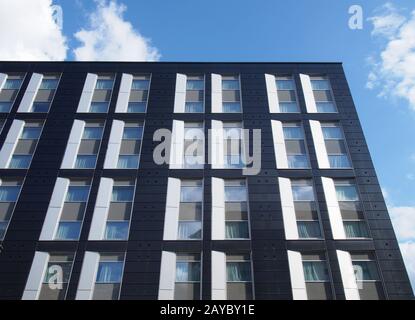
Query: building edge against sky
x=86, y=213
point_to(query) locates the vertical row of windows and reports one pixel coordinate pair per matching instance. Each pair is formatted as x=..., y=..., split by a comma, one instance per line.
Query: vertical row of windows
x=195, y=94
x=233, y=145
x=231, y=94
x=194, y=145
x=287, y=94
x=323, y=94
x=102, y=94
x=236, y=210
x=139, y=94
x=190, y=210
x=188, y=275
x=10, y=90
x=316, y=276
x=130, y=146
x=335, y=145
x=9, y=193
x=45, y=94
x=295, y=146
x=239, y=277
x=109, y=276
x=89, y=145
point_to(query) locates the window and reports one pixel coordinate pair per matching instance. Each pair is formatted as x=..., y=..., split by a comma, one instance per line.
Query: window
x=367, y=275
x=323, y=94
x=236, y=210
x=89, y=145
x=188, y=270
x=287, y=95
x=306, y=209
x=231, y=95
x=26, y=145
x=55, y=285
x=45, y=94
x=9, y=194
x=233, y=145
x=10, y=90
x=119, y=212
x=194, y=151
x=109, y=277
x=190, y=210
x=295, y=146
x=351, y=209
x=129, y=156
x=316, y=275
x=102, y=94
x=73, y=210
x=336, y=146
x=195, y=94
x=139, y=94
x=239, y=277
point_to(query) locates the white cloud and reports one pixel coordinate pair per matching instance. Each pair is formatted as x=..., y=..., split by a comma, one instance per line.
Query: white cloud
x=110, y=37
x=393, y=70
x=403, y=219
x=408, y=253
x=28, y=31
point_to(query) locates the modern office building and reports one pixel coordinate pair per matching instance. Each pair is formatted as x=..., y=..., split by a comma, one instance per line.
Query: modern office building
x=87, y=211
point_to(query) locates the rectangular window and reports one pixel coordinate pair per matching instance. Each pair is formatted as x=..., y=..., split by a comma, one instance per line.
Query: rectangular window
x=57, y=276
x=188, y=274
x=119, y=213
x=139, y=94
x=102, y=94
x=336, y=146
x=190, y=210
x=89, y=145
x=351, y=209
x=26, y=145
x=195, y=94
x=323, y=94
x=233, y=144
x=46, y=93
x=306, y=209
x=109, y=277
x=236, y=210
x=287, y=94
x=231, y=94
x=316, y=276
x=73, y=210
x=239, y=277
x=295, y=146
x=194, y=145
x=367, y=276
x=9, y=194
x=129, y=156
x=10, y=90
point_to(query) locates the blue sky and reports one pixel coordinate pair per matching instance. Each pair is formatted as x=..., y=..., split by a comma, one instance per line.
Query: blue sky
x=239, y=30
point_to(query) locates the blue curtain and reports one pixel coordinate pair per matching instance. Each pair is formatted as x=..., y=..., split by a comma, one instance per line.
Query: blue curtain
x=31, y=133
x=9, y=193
x=12, y=84
x=127, y=162
x=303, y=193
x=231, y=107
x=109, y=272
x=315, y=271
x=346, y=193
x=20, y=162
x=235, y=194
x=104, y=84
x=85, y=162
x=308, y=229
x=293, y=133
x=5, y=106
x=191, y=194
x=189, y=230
x=68, y=230
x=355, y=229
x=320, y=84
x=194, y=107
x=40, y=107
x=285, y=85
x=288, y=107
x=122, y=194
x=136, y=107
x=117, y=230
x=140, y=85
x=187, y=271
x=92, y=133
x=332, y=133
x=236, y=230
x=339, y=161
x=195, y=85
x=238, y=271
x=99, y=107
x=49, y=84
x=133, y=133
x=77, y=194
x=230, y=84
x=297, y=161
x=325, y=107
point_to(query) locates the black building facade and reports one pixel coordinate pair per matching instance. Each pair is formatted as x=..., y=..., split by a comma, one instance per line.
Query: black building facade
x=287, y=239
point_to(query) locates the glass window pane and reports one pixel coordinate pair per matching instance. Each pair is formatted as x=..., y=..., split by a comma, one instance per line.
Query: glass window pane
x=195, y=85
x=365, y=270
x=355, y=229
x=347, y=193
x=128, y=162
x=320, y=84
x=326, y=107
x=293, y=133
x=303, y=193
x=109, y=272
x=117, y=230
x=297, y=161
x=339, y=161
x=289, y=107
x=40, y=107
x=187, y=271
x=194, y=107
x=140, y=84
x=189, y=230
x=238, y=271
x=68, y=230
x=104, y=84
x=332, y=133
x=31, y=133
x=122, y=194
x=235, y=194
x=285, y=85
x=136, y=107
x=191, y=194
x=77, y=194
x=99, y=107
x=9, y=193
x=85, y=161
x=92, y=133
x=230, y=84
x=49, y=84
x=231, y=107
x=3, y=227
x=5, y=106
x=315, y=271
x=236, y=230
x=133, y=133
x=12, y=84
x=308, y=229
x=20, y=161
